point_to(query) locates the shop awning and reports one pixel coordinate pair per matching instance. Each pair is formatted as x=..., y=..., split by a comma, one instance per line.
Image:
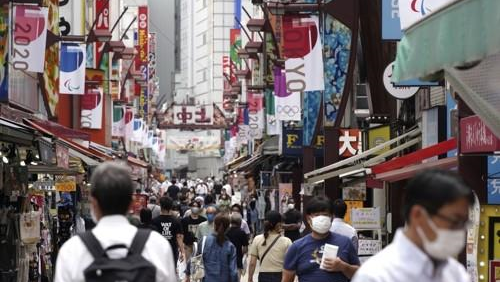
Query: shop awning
x=461, y=33
x=86, y=159
x=416, y=157
x=271, y=146
x=410, y=171
x=137, y=162
x=46, y=169
x=250, y=163
x=15, y=133
x=57, y=130
x=336, y=169
x=230, y=165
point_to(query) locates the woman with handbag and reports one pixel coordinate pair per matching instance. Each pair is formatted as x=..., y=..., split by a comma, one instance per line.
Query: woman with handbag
x=270, y=249
x=216, y=259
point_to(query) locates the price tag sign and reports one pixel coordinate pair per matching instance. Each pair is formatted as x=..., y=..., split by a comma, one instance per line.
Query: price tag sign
x=369, y=247
x=366, y=218
x=29, y=38
x=65, y=183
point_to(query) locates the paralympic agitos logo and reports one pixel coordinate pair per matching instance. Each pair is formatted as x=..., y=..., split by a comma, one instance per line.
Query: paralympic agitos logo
x=421, y=9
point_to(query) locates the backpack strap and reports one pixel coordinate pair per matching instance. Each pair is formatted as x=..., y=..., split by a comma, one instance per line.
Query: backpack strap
x=269, y=248
x=93, y=245
x=140, y=239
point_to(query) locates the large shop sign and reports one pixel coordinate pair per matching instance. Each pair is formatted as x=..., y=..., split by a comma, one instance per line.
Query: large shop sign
x=350, y=142
x=476, y=137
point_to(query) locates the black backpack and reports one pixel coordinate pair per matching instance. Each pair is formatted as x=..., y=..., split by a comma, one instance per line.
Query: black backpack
x=132, y=268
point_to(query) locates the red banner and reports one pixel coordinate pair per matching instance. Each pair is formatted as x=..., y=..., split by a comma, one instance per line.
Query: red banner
x=102, y=24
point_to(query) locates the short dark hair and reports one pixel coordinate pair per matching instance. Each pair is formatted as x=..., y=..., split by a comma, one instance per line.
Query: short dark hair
x=238, y=207
x=319, y=204
x=433, y=189
x=112, y=187
x=209, y=200
x=339, y=208
x=166, y=203
x=146, y=215
x=174, y=181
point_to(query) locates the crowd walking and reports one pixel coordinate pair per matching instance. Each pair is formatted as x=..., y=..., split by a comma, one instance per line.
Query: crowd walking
x=200, y=240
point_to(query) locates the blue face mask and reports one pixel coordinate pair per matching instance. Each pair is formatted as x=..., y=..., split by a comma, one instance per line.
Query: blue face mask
x=210, y=217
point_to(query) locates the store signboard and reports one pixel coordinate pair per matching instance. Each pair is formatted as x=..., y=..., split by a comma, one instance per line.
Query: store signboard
x=153, y=59
x=193, y=115
x=391, y=25
x=378, y=136
x=369, y=247
x=476, y=137
x=29, y=38
x=493, y=180
x=292, y=143
x=366, y=218
x=101, y=24
x=354, y=192
x=143, y=52
x=65, y=183
x=397, y=92
x=193, y=143
x=494, y=270
x=350, y=142
x=72, y=17
x=350, y=206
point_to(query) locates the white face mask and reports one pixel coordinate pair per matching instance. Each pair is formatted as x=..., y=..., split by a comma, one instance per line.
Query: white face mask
x=321, y=224
x=291, y=206
x=448, y=243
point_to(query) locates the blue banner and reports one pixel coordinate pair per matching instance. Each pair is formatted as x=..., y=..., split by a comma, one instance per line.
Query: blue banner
x=391, y=26
x=293, y=139
x=312, y=107
x=493, y=180
x=451, y=121
x=237, y=13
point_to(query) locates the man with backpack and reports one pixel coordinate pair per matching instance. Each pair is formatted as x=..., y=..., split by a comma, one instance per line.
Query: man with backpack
x=114, y=250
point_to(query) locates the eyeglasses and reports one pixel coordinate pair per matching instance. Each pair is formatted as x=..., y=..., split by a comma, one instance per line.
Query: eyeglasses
x=455, y=223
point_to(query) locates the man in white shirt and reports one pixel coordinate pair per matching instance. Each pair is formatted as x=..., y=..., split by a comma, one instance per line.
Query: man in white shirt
x=111, y=195
x=436, y=213
x=341, y=227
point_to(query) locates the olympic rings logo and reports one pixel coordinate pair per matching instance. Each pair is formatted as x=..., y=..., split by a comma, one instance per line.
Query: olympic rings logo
x=288, y=110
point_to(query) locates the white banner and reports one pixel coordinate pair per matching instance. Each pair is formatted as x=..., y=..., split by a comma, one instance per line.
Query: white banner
x=29, y=38
x=412, y=11
x=193, y=143
x=129, y=124
x=118, y=128
x=287, y=104
x=137, y=130
x=92, y=107
x=193, y=115
x=72, y=68
x=71, y=17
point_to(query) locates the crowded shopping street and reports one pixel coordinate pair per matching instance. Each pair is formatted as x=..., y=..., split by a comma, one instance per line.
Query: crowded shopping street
x=249, y=141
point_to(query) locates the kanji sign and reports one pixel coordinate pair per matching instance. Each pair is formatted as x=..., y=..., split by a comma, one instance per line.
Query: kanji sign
x=65, y=183
x=366, y=218
x=194, y=115
x=369, y=247
x=493, y=180
x=350, y=142
x=476, y=137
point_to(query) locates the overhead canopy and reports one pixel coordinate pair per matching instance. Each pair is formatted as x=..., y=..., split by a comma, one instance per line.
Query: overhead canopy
x=339, y=168
x=86, y=159
x=46, y=169
x=137, y=162
x=410, y=171
x=461, y=33
x=55, y=129
x=14, y=132
x=416, y=157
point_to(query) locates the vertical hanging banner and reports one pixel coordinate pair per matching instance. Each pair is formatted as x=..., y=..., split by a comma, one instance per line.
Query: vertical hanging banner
x=29, y=38
x=153, y=78
x=337, y=50
x=118, y=128
x=287, y=105
x=391, y=25
x=50, y=85
x=235, y=41
x=312, y=108
x=271, y=121
x=255, y=115
x=72, y=70
x=72, y=17
x=137, y=130
x=4, y=54
x=303, y=62
x=92, y=101
x=142, y=42
x=102, y=24
x=129, y=124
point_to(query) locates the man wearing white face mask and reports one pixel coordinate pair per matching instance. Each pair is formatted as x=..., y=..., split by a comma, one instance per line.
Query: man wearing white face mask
x=436, y=213
x=305, y=256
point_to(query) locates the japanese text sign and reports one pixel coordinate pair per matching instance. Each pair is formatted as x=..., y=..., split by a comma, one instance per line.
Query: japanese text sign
x=65, y=183
x=369, y=247
x=476, y=137
x=493, y=180
x=102, y=24
x=193, y=115
x=350, y=142
x=366, y=218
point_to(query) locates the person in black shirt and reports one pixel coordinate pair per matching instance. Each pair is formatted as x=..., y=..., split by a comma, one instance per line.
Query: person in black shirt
x=146, y=219
x=170, y=227
x=217, y=189
x=173, y=190
x=190, y=224
x=293, y=220
x=239, y=240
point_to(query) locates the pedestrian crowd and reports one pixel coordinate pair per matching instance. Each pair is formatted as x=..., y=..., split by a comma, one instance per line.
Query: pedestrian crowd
x=196, y=231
